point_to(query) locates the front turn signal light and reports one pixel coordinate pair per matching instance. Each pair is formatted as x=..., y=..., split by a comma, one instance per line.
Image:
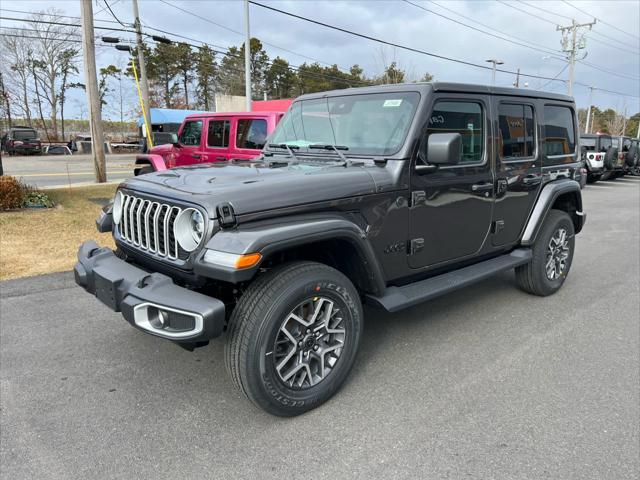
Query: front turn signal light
x=232, y=260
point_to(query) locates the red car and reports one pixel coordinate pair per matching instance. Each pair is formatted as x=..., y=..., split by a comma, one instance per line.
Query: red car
x=212, y=137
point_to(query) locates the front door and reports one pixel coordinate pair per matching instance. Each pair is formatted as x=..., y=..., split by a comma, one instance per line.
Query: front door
x=452, y=206
x=190, y=142
x=250, y=137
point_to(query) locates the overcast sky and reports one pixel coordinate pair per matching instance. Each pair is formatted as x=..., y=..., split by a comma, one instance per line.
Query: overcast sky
x=611, y=47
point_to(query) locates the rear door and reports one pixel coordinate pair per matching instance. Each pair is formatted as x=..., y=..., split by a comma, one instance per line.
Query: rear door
x=250, y=137
x=518, y=166
x=190, y=140
x=218, y=141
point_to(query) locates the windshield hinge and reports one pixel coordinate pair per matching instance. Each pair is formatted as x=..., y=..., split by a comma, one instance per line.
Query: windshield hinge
x=226, y=215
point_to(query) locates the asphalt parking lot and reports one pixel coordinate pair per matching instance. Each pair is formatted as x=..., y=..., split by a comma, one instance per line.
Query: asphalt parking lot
x=55, y=171
x=488, y=382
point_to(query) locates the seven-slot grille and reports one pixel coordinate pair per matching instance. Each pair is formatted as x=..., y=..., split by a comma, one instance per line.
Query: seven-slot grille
x=148, y=225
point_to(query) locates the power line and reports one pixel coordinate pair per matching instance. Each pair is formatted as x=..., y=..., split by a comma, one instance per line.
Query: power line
x=551, y=50
x=396, y=45
x=478, y=29
x=528, y=13
x=546, y=10
x=556, y=76
x=611, y=45
x=205, y=19
x=47, y=22
x=582, y=61
x=114, y=15
x=635, y=37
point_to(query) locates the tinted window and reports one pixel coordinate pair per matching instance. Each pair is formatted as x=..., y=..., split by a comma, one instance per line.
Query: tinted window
x=464, y=118
x=191, y=133
x=251, y=134
x=605, y=143
x=588, y=143
x=626, y=145
x=25, y=134
x=218, y=134
x=516, y=130
x=559, y=130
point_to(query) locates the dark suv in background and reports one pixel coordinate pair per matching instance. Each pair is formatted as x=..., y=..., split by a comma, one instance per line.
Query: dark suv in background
x=21, y=141
x=389, y=196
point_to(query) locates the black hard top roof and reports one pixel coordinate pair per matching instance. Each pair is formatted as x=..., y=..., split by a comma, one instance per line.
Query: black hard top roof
x=425, y=87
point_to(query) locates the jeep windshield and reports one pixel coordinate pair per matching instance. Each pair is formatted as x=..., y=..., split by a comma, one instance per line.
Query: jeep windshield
x=365, y=125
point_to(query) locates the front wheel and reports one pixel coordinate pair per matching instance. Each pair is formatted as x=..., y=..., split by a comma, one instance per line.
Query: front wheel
x=552, y=256
x=293, y=337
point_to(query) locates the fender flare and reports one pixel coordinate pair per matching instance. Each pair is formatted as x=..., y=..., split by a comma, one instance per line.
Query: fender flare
x=547, y=197
x=269, y=237
x=155, y=161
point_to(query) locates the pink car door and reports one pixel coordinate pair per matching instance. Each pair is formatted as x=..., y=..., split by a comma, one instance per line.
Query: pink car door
x=250, y=137
x=217, y=147
x=190, y=140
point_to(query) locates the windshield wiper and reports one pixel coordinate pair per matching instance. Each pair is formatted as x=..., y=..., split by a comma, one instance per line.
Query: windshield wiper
x=288, y=147
x=335, y=148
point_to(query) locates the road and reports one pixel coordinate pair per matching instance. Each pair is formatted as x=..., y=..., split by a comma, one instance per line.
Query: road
x=486, y=383
x=50, y=171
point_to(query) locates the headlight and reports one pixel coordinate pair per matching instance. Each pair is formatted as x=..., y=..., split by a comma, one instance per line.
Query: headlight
x=189, y=229
x=117, y=208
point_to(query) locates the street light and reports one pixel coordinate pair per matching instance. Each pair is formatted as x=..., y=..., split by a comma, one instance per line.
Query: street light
x=493, y=70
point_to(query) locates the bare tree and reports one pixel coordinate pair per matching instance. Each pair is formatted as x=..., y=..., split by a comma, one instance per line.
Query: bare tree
x=17, y=52
x=52, y=54
x=6, y=105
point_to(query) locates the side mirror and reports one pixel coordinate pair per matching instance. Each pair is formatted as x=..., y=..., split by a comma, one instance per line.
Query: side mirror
x=174, y=140
x=442, y=149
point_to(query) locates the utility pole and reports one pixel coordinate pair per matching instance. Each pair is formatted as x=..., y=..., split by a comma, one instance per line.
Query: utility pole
x=247, y=56
x=144, y=84
x=493, y=69
x=586, y=127
x=517, y=82
x=571, y=44
x=93, y=96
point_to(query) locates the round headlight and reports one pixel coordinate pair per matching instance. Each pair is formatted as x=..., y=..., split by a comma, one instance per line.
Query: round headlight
x=116, y=210
x=189, y=229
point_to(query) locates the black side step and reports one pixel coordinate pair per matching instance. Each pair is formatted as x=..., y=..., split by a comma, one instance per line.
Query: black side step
x=397, y=298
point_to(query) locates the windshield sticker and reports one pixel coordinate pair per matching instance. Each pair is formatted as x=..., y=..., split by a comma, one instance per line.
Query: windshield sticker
x=392, y=103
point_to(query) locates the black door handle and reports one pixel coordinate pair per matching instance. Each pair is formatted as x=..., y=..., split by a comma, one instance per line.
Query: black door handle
x=531, y=180
x=195, y=155
x=482, y=187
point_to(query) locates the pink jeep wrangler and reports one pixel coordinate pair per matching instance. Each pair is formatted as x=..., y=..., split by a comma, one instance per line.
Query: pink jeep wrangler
x=212, y=137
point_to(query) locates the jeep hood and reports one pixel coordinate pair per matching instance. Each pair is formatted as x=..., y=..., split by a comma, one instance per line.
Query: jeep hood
x=257, y=187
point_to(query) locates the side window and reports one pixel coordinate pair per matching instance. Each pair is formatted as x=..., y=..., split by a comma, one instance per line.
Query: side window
x=251, y=133
x=218, y=133
x=516, y=131
x=465, y=118
x=559, y=130
x=191, y=133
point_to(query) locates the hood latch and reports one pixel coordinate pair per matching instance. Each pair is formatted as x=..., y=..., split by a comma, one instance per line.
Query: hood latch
x=226, y=215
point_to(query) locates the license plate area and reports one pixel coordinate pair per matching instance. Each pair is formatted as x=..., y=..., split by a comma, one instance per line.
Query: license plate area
x=106, y=289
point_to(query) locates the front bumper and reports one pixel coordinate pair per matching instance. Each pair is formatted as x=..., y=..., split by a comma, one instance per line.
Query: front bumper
x=150, y=302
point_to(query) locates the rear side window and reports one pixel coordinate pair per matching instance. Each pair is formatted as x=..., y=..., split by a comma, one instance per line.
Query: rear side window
x=25, y=134
x=191, y=133
x=559, y=131
x=218, y=134
x=464, y=118
x=251, y=133
x=516, y=131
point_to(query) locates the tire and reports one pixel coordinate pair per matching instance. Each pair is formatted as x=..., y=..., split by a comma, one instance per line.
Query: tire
x=611, y=158
x=259, y=320
x=591, y=178
x=533, y=277
x=144, y=170
x=607, y=175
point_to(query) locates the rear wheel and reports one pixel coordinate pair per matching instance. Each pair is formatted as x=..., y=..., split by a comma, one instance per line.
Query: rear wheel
x=592, y=178
x=552, y=256
x=293, y=337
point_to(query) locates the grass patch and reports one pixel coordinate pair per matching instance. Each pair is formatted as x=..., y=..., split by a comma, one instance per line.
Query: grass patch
x=33, y=242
